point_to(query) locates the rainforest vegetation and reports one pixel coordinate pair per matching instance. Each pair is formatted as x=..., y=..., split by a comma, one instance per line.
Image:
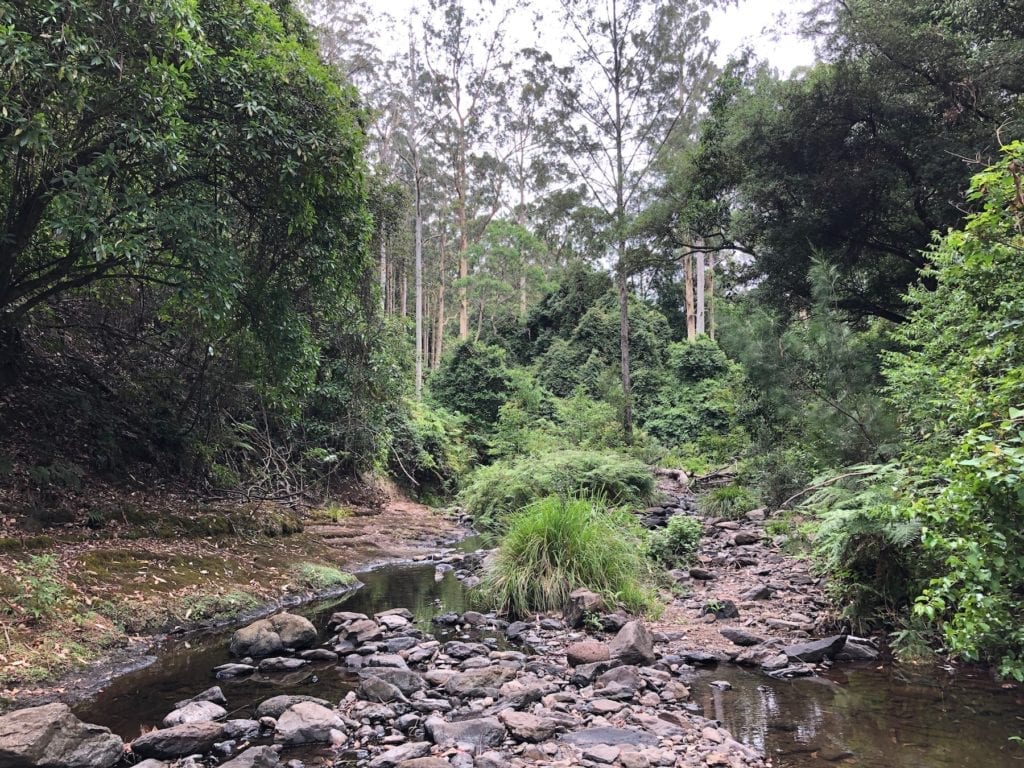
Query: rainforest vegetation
x=259, y=248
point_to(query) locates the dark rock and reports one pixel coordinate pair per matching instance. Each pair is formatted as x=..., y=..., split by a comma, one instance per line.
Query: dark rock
x=613, y=622
x=758, y=592
x=319, y=654
x=721, y=609
x=516, y=629
x=50, y=736
x=855, y=650
x=477, y=683
x=740, y=637
x=446, y=620
x=702, y=658
x=702, y=574
x=241, y=729
x=816, y=650
x=460, y=650
x=374, y=689
x=743, y=538
x=179, y=741
x=633, y=644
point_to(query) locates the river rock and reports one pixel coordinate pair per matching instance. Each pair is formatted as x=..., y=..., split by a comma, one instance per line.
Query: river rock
x=607, y=735
x=757, y=592
x=254, y=757
x=214, y=694
x=587, y=652
x=272, y=635
x=740, y=637
x=477, y=683
x=374, y=689
x=195, y=712
x=401, y=754
x=50, y=736
x=581, y=603
x=633, y=644
x=425, y=762
x=275, y=707
x=480, y=732
x=229, y=671
x=178, y=741
x=857, y=650
x=816, y=650
x=281, y=664
x=404, y=680
x=241, y=729
x=527, y=727
x=308, y=723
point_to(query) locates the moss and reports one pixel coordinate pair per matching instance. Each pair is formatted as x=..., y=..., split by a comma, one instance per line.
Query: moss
x=25, y=543
x=332, y=513
x=218, y=607
x=316, y=576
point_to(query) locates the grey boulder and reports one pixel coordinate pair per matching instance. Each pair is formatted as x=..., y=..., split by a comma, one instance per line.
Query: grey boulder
x=50, y=736
x=273, y=635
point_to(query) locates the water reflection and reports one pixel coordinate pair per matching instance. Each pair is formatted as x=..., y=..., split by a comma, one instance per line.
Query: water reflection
x=874, y=718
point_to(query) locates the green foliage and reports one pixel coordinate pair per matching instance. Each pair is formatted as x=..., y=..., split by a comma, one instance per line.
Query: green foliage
x=867, y=547
x=473, y=380
x=556, y=545
x=38, y=590
x=960, y=386
x=507, y=486
x=677, y=544
x=729, y=501
x=428, y=453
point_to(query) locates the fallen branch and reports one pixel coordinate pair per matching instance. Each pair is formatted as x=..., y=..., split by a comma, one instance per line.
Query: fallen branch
x=825, y=482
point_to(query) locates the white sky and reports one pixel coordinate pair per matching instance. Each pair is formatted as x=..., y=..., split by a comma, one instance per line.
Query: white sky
x=768, y=26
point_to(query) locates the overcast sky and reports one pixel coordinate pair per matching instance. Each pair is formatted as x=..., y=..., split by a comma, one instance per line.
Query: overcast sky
x=768, y=26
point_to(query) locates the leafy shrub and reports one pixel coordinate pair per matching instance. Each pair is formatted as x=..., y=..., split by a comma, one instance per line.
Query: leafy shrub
x=509, y=485
x=697, y=360
x=678, y=542
x=556, y=545
x=729, y=501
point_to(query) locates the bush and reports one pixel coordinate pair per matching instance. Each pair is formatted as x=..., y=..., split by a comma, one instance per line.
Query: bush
x=555, y=546
x=427, y=453
x=509, y=485
x=730, y=501
x=678, y=542
x=38, y=588
x=473, y=380
x=318, y=577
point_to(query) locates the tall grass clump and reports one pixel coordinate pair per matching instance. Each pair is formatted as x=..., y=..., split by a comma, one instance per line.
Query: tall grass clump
x=729, y=501
x=554, y=546
x=508, y=485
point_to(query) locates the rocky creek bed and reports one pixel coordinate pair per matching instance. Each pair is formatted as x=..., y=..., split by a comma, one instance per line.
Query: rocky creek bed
x=402, y=674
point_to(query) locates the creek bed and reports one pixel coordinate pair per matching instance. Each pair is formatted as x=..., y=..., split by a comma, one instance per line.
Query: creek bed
x=858, y=716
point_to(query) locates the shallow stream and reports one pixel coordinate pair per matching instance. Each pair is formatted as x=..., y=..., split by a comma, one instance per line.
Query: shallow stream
x=870, y=717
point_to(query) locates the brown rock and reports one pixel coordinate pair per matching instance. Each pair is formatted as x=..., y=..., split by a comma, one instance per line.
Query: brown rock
x=587, y=652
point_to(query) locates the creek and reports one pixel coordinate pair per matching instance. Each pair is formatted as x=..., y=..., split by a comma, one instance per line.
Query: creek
x=878, y=716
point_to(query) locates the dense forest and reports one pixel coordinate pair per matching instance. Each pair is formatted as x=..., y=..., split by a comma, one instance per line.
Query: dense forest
x=253, y=251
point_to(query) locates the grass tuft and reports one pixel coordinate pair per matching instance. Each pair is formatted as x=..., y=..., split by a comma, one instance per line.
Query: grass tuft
x=317, y=577
x=554, y=546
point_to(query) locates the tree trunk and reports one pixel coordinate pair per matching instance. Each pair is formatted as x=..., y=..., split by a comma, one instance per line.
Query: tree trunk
x=710, y=294
x=439, y=332
x=383, y=271
x=700, y=294
x=419, y=287
x=691, y=309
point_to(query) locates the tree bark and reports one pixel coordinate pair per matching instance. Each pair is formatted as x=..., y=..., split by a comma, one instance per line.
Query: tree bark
x=700, y=293
x=691, y=309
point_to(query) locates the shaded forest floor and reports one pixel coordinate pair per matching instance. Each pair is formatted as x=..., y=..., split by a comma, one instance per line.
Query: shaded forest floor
x=80, y=589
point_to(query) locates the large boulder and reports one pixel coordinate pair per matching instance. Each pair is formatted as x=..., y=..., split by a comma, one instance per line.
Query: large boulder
x=525, y=726
x=178, y=741
x=633, y=644
x=51, y=737
x=309, y=723
x=273, y=635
